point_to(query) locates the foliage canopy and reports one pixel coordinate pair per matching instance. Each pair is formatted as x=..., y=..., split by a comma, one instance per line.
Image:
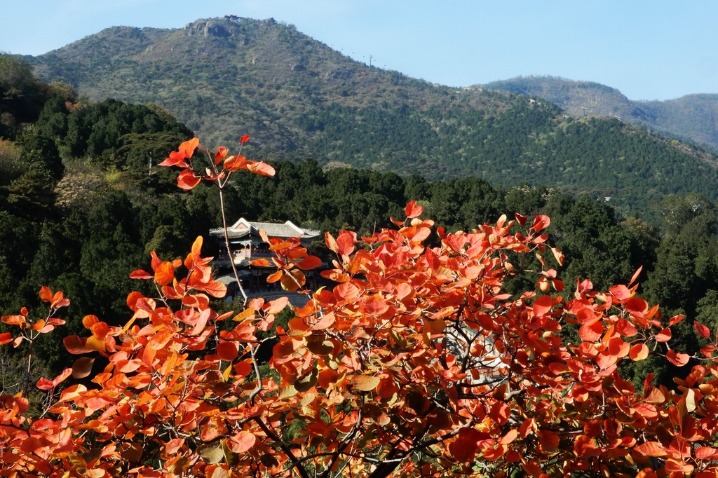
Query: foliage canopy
x=418, y=362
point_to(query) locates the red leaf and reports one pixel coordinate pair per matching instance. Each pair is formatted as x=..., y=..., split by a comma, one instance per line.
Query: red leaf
x=636, y=306
x=540, y=223
x=701, y=329
x=638, y=352
x=5, y=338
x=677, y=359
x=241, y=442
x=309, y=262
x=664, y=335
x=621, y=292
x=706, y=453
x=413, y=210
x=175, y=158
x=542, y=305
x=463, y=449
x=187, y=180
x=44, y=384
x=520, y=218
x=227, y=351
x=345, y=242
x=220, y=154
x=591, y=332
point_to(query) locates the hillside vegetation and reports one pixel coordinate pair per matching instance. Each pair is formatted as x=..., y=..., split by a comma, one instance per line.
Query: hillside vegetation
x=691, y=117
x=302, y=100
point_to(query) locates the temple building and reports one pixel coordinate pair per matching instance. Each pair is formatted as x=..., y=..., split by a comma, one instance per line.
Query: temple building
x=246, y=244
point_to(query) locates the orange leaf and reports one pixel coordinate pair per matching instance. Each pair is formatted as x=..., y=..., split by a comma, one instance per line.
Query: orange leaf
x=187, y=180
x=274, y=277
x=292, y=280
x=635, y=276
x=175, y=158
x=61, y=378
x=235, y=163
x=509, y=437
x=13, y=319
x=651, y=448
x=45, y=294
x=220, y=154
x=366, y=383
x=260, y=263
x=5, y=338
x=187, y=148
x=76, y=345
x=164, y=273
x=261, y=168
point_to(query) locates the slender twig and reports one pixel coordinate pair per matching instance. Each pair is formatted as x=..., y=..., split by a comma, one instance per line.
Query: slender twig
x=285, y=448
x=226, y=244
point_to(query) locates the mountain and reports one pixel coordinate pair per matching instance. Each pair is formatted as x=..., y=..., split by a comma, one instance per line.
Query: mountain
x=692, y=117
x=299, y=99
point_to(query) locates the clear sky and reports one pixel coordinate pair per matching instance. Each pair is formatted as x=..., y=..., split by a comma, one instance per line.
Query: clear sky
x=648, y=49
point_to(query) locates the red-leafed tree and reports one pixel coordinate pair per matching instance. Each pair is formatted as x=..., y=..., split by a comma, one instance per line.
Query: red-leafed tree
x=418, y=362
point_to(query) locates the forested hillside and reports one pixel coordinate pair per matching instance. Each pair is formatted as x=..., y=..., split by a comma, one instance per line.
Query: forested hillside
x=302, y=100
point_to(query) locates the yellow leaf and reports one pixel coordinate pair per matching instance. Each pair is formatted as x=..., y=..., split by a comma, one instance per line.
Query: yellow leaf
x=366, y=383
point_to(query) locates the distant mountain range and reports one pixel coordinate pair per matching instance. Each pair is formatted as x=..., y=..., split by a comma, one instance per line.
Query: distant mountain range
x=300, y=99
x=692, y=117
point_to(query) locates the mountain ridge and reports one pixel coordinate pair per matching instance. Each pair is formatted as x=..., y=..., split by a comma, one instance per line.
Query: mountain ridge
x=300, y=99
x=692, y=117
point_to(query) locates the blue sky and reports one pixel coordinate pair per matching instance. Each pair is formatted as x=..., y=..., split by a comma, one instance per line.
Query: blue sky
x=648, y=49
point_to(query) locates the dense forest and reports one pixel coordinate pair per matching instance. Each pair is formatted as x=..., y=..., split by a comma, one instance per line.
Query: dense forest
x=82, y=203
